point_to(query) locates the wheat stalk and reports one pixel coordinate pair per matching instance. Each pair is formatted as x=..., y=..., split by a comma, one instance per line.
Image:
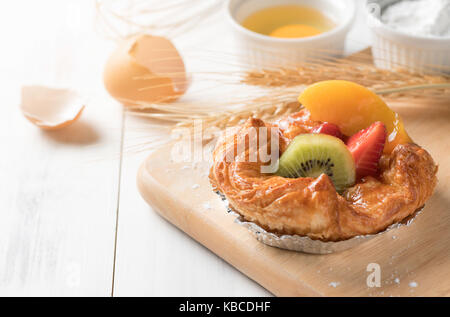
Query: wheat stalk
x=119, y=19
x=283, y=85
x=411, y=88
x=385, y=81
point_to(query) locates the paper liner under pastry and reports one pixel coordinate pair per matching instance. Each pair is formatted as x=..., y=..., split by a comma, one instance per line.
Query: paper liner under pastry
x=306, y=244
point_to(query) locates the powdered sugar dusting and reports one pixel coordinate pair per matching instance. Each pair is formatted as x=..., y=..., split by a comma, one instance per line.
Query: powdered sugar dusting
x=413, y=284
x=334, y=284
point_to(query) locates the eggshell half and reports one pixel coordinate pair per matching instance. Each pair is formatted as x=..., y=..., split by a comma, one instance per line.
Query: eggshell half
x=145, y=68
x=51, y=108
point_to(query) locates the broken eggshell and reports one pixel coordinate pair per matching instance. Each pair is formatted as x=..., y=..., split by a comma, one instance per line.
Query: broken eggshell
x=145, y=69
x=51, y=108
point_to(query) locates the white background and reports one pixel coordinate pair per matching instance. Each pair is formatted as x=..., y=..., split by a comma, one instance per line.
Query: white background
x=71, y=219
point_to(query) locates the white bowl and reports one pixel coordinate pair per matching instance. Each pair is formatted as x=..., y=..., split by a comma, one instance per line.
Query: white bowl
x=393, y=49
x=264, y=51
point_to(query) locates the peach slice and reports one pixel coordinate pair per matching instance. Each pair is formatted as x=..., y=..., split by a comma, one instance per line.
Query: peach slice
x=353, y=107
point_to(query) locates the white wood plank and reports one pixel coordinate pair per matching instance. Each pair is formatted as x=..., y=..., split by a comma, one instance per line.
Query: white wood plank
x=58, y=190
x=154, y=258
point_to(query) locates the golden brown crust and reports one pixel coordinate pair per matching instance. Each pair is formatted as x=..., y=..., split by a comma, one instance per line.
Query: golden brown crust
x=312, y=207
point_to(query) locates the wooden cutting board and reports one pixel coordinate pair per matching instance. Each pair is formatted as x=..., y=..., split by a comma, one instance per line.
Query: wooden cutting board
x=414, y=261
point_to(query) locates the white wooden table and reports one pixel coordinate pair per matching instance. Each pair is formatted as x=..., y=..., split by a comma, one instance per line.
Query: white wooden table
x=71, y=220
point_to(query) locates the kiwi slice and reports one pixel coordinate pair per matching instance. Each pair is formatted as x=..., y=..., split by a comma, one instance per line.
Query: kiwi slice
x=310, y=155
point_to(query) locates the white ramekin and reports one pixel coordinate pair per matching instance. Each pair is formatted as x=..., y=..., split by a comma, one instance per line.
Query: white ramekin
x=392, y=49
x=259, y=50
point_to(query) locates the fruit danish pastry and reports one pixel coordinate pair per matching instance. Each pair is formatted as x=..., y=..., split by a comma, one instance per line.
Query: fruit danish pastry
x=345, y=167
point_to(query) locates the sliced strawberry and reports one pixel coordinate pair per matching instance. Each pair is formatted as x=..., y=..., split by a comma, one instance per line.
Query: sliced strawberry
x=330, y=129
x=366, y=147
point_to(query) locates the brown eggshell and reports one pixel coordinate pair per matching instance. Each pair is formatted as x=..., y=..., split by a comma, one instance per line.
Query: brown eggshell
x=51, y=108
x=145, y=68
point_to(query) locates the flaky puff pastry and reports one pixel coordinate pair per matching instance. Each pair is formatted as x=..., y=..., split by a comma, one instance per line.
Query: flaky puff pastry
x=311, y=206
